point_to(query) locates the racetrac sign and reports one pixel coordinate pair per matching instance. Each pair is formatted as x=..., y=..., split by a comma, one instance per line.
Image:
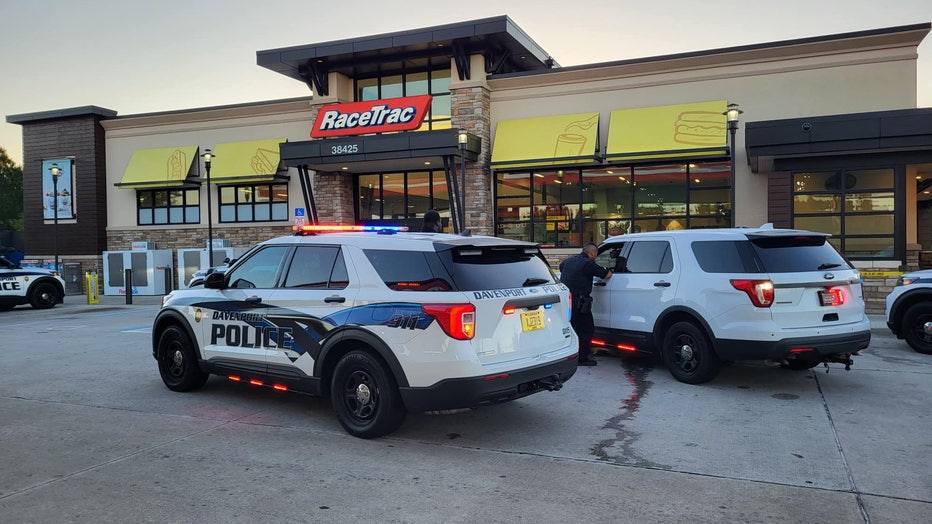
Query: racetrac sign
x=374, y=116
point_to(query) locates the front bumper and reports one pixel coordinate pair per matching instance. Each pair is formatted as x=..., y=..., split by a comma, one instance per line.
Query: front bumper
x=469, y=392
x=821, y=346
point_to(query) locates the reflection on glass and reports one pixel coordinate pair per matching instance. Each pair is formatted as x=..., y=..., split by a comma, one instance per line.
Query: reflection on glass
x=822, y=224
x=518, y=231
x=824, y=203
x=370, y=197
x=393, y=195
x=869, y=247
x=866, y=202
x=418, y=194
x=868, y=225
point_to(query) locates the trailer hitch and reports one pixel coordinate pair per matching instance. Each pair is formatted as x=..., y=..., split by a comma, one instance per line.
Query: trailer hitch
x=843, y=358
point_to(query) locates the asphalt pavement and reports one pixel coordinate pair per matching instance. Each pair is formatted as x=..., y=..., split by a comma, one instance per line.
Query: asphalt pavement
x=90, y=434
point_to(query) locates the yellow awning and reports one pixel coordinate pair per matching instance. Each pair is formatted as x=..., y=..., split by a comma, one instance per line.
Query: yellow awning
x=683, y=130
x=250, y=161
x=164, y=167
x=546, y=141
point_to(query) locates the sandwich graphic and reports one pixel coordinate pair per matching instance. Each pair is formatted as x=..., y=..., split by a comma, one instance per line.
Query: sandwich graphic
x=176, y=167
x=262, y=162
x=700, y=128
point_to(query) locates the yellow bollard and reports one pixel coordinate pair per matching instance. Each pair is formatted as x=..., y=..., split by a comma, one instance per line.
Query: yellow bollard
x=90, y=279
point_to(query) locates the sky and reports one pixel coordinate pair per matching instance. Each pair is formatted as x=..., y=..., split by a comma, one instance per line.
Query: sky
x=140, y=56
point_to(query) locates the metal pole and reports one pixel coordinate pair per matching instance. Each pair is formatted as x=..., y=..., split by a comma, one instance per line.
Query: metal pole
x=55, y=220
x=210, y=220
x=732, y=128
x=462, y=187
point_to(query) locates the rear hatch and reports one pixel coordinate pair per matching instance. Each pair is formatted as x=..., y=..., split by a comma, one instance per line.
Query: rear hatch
x=522, y=311
x=814, y=285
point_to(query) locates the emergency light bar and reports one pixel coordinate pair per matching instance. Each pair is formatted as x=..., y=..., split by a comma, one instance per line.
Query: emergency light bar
x=340, y=228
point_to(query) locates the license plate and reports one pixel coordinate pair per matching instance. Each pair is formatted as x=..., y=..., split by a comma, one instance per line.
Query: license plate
x=829, y=298
x=532, y=320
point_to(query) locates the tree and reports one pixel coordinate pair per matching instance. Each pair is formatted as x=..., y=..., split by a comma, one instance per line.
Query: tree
x=11, y=193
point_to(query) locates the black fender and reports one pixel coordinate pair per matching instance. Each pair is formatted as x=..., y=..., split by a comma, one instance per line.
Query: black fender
x=903, y=302
x=166, y=317
x=335, y=346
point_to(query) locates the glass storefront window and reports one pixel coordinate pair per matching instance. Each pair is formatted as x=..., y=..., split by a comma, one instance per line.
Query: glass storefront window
x=370, y=197
x=612, y=201
x=167, y=206
x=856, y=206
x=254, y=203
x=393, y=196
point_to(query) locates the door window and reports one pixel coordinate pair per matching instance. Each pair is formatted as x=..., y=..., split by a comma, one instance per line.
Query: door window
x=317, y=267
x=260, y=270
x=650, y=257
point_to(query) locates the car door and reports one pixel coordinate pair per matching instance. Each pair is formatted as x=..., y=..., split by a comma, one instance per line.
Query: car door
x=316, y=286
x=603, y=290
x=645, y=287
x=234, y=325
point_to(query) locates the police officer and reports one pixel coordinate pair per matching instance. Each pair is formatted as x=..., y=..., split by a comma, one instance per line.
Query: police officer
x=577, y=272
x=432, y=222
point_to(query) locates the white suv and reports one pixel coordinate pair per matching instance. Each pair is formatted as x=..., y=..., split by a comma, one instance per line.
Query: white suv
x=909, y=310
x=381, y=323
x=699, y=297
x=38, y=287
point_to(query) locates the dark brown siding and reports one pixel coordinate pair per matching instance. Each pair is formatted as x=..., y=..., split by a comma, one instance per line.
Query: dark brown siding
x=81, y=137
x=779, y=200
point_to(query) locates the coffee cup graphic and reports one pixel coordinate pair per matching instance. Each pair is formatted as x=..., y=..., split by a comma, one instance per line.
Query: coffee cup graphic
x=571, y=143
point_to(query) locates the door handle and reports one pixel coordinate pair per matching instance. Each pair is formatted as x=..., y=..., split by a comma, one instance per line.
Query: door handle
x=600, y=283
x=335, y=298
x=253, y=300
x=662, y=283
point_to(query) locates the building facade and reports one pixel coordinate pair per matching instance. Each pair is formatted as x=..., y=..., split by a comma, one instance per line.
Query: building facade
x=829, y=139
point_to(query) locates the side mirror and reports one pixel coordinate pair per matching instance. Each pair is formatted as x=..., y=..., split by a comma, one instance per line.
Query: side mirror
x=226, y=261
x=214, y=281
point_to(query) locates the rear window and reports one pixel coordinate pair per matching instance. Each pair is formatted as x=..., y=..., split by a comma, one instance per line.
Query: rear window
x=461, y=269
x=726, y=256
x=791, y=254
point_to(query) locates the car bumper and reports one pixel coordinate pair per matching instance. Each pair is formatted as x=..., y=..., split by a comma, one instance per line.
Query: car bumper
x=490, y=389
x=816, y=346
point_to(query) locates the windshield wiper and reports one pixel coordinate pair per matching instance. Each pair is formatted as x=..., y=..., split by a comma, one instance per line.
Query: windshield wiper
x=827, y=266
x=535, y=282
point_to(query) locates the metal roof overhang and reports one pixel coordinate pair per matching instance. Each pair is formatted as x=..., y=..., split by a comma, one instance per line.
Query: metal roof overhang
x=774, y=145
x=379, y=153
x=506, y=47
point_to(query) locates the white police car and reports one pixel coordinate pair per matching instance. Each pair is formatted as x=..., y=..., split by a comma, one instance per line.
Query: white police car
x=36, y=286
x=909, y=310
x=384, y=323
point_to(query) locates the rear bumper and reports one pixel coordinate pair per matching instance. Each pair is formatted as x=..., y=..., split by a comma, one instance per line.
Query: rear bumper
x=475, y=391
x=820, y=346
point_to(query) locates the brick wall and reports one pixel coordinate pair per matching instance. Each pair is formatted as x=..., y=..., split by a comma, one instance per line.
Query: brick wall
x=81, y=137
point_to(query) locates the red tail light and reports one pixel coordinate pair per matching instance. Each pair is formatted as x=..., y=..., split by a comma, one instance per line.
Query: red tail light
x=457, y=320
x=759, y=291
x=834, y=296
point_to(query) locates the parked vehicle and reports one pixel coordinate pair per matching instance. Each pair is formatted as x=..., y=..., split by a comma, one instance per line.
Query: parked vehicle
x=700, y=297
x=909, y=310
x=383, y=323
x=41, y=288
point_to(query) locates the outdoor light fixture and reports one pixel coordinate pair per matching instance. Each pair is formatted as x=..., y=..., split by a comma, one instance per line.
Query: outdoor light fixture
x=731, y=115
x=208, y=156
x=462, y=138
x=56, y=173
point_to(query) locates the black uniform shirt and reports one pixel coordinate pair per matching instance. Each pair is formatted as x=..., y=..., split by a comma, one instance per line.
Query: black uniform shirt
x=577, y=272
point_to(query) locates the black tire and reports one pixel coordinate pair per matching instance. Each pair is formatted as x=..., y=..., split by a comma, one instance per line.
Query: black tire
x=44, y=295
x=688, y=354
x=914, y=327
x=800, y=364
x=365, y=396
x=178, y=361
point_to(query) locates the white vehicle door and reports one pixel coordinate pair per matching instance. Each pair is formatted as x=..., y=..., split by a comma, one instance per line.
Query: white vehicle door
x=646, y=286
x=234, y=323
x=316, y=286
x=602, y=290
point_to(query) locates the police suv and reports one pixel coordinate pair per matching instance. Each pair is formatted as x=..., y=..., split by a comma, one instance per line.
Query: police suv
x=36, y=286
x=383, y=322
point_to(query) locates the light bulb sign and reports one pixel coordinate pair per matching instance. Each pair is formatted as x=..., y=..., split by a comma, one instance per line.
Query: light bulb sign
x=373, y=116
x=65, y=188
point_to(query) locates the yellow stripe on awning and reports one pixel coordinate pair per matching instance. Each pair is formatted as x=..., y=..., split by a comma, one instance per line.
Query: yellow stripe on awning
x=676, y=131
x=164, y=167
x=546, y=141
x=250, y=161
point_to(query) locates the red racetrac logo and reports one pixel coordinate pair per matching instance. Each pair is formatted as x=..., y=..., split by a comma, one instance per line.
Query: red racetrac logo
x=374, y=116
